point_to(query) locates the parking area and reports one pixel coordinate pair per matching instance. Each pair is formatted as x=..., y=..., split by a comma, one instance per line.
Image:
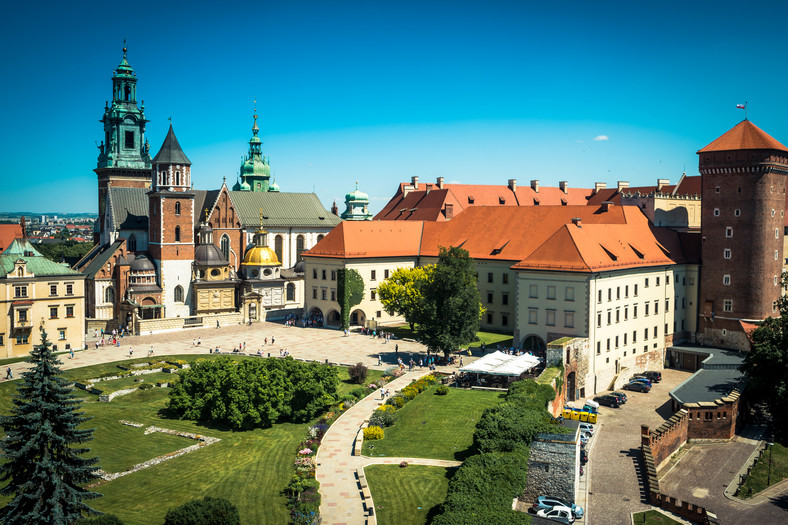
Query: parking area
x=613, y=475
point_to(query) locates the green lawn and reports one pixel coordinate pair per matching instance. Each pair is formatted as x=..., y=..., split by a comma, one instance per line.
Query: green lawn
x=249, y=468
x=346, y=385
x=407, y=496
x=758, y=478
x=432, y=426
x=129, y=382
x=653, y=517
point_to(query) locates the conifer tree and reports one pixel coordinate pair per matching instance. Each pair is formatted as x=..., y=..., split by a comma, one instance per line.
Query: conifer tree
x=44, y=466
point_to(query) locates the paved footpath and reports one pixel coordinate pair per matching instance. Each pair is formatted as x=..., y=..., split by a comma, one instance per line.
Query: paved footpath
x=341, y=502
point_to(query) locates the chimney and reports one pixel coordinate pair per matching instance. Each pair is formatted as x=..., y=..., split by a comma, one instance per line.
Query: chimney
x=535, y=185
x=513, y=185
x=577, y=222
x=606, y=205
x=661, y=183
x=564, y=185
x=449, y=211
x=415, y=182
x=598, y=186
x=622, y=185
x=440, y=183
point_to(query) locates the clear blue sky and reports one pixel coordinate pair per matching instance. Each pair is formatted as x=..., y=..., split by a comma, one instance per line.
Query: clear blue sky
x=379, y=91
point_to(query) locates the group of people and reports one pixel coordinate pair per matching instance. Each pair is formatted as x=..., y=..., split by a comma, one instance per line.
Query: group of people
x=387, y=336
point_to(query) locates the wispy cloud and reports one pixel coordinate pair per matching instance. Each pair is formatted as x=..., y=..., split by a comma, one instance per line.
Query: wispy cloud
x=601, y=137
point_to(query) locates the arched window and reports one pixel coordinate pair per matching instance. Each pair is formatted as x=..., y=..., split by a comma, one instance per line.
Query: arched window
x=278, y=248
x=177, y=207
x=178, y=294
x=109, y=295
x=299, y=246
x=127, y=93
x=225, y=247
x=20, y=272
x=177, y=178
x=131, y=244
x=290, y=292
x=177, y=234
x=320, y=237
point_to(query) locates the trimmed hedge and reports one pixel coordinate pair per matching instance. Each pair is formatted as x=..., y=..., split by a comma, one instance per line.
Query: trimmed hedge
x=373, y=433
x=206, y=511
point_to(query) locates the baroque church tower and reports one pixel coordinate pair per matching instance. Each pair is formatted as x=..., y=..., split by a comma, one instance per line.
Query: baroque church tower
x=743, y=176
x=171, y=225
x=124, y=154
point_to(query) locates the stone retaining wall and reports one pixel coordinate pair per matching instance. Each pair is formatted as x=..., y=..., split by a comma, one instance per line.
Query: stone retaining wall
x=667, y=439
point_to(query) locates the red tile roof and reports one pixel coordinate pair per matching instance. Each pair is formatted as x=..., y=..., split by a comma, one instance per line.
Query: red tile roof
x=360, y=239
x=744, y=135
x=9, y=232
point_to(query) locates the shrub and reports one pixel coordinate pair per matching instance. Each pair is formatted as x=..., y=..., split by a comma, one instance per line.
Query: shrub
x=373, y=433
x=442, y=390
x=409, y=393
x=385, y=408
x=359, y=392
x=206, y=511
x=146, y=386
x=104, y=519
x=358, y=373
x=382, y=418
x=397, y=402
x=348, y=403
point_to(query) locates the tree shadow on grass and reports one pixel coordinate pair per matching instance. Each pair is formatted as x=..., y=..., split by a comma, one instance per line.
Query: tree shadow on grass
x=435, y=510
x=167, y=414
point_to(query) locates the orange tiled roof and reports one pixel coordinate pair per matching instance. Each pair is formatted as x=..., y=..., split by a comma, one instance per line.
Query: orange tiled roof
x=9, y=232
x=360, y=239
x=744, y=135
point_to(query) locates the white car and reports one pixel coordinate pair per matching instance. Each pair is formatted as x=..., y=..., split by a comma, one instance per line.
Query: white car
x=585, y=438
x=587, y=428
x=558, y=513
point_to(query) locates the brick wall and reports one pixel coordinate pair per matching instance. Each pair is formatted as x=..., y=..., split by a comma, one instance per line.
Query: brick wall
x=714, y=420
x=667, y=439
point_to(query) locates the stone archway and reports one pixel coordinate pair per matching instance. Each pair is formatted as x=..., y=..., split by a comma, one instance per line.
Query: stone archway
x=571, y=386
x=358, y=318
x=534, y=343
x=315, y=311
x=333, y=318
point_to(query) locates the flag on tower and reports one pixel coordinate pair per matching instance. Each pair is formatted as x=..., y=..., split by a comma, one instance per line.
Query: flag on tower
x=740, y=106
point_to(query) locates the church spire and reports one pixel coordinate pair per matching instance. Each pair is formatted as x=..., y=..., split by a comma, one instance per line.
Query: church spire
x=255, y=170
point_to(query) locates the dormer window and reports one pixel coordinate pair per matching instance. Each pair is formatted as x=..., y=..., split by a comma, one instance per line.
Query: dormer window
x=128, y=142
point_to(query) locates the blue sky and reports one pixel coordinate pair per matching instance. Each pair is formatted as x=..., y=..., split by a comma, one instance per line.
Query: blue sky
x=378, y=91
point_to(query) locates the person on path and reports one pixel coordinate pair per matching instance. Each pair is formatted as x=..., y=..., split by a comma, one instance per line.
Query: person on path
x=150, y=351
x=379, y=361
x=131, y=352
x=460, y=361
x=396, y=349
x=72, y=354
x=199, y=341
x=266, y=340
x=217, y=323
x=194, y=343
x=272, y=339
x=8, y=373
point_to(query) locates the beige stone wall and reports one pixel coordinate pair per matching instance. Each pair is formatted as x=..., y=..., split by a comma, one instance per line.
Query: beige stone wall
x=171, y=324
x=215, y=299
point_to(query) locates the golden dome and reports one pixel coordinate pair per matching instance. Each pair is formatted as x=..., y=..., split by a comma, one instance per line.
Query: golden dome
x=261, y=256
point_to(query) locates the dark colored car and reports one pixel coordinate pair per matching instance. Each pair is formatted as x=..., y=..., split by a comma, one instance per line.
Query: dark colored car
x=638, y=386
x=608, y=401
x=640, y=379
x=654, y=376
x=622, y=397
x=583, y=457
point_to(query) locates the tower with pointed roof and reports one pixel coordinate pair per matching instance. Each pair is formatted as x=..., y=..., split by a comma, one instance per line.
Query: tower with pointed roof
x=356, y=206
x=171, y=225
x=124, y=154
x=255, y=168
x=742, y=219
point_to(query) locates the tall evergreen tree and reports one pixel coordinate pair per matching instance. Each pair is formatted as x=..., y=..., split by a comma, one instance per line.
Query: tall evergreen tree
x=44, y=468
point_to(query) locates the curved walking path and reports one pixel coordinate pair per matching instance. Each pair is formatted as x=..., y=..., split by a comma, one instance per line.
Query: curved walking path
x=341, y=500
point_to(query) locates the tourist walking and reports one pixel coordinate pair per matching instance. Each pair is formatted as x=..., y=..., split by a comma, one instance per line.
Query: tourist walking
x=8, y=373
x=150, y=351
x=131, y=352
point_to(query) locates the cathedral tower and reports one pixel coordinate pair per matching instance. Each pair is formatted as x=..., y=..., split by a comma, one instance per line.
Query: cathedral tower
x=124, y=154
x=743, y=176
x=255, y=168
x=171, y=225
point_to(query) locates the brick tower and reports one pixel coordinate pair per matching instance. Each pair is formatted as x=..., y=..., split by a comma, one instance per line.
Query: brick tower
x=124, y=154
x=743, y=176
x=171, y=226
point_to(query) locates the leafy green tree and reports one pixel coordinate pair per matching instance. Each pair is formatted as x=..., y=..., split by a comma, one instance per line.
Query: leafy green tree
x=69, y=250
x=451, y=309
x=402, y=293
x=206, y=511
x=350, y=291
x=766, y=365
x=44, y=467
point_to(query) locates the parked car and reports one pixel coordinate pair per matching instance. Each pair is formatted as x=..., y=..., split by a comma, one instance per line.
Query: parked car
x=588, y=428
x=558, y=513
x=583, y=458
x=585, y=438
x=638, y=386
x=608, y=400
x=653, y=375
x=622, y=397
x=548, y=502
x=641, y=378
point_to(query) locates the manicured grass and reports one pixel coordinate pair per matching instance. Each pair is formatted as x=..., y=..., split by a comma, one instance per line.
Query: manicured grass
x=346, y=385
x=132, y=381
x=432, y=426
x=548, y=375
x=757, y=480
x=653, y=517
x=248, y=468
x=407, y=496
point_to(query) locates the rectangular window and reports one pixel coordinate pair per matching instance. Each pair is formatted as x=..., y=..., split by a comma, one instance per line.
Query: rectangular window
x=533, y=316
x=489, y=298
x=646, y=283
x=323, y=294
x=726, y=253
x=333, y=295
x=372, y=275
x=505, y=278
x=314, y=273
x=618, y=314
x=314, y=293
x=616, y=341
x=378, y=314
x=533, y=291
x=2, y=339
x=618, y=292
x=634, y=311
x=727, y=305
x=323, y=274
x=608, y=344
x=626, y=292
x=505, y=320
x=489, y=277
x=489, y=318
x=570, y=293
x=52, y=289
x=666, y=328
x=128, y=143
x=21, y=339
x=657, y=281
x=23, y=315
x=385, y=274
x=550, y=318
x=69, y=311
x=625, y=339
x=598, y=347
x=599, y=299
x=667, y=305
x=20, y=291
x=609, y=317
x=551, y=292
x=634, y=336
x=53, y=312
x=646, y=305
x=656, y=332
x=656, y=307
x=645, y=333
x=667, y=279
x=333, y=275
x=569, y=319
x=599, y=319
x=626, y=313
x=372, y=295
x=69, y=289
x=505, y=298
x=61, y=335
x=635, y=292
x=726, y=280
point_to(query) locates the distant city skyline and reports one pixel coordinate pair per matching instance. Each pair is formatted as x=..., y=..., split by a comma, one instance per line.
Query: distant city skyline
x=379, y=92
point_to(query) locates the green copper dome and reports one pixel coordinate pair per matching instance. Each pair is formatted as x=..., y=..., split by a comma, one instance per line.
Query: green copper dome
x=245, y=186
x=274, y=186
x=237, y=186
x=255, y=168
x=356, y=196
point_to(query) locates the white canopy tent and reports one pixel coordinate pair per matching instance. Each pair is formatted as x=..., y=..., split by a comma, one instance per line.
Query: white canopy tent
x=501, y=364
